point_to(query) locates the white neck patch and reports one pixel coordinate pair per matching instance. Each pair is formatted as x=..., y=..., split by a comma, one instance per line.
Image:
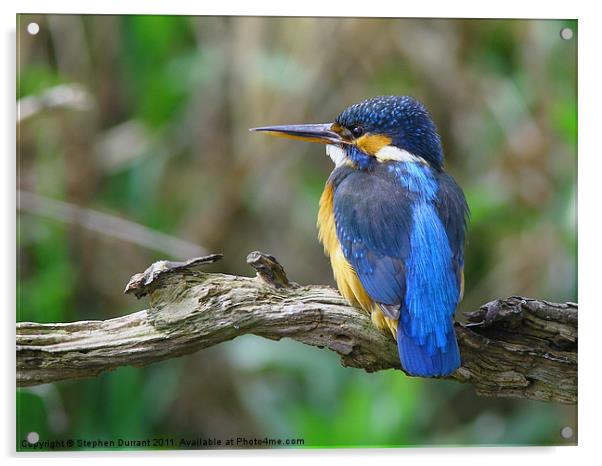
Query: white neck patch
x=336, y=154
x=339, y=157
x=397, y=154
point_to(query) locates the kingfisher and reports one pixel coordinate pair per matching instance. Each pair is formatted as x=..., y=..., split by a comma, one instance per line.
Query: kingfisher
x=393, y=224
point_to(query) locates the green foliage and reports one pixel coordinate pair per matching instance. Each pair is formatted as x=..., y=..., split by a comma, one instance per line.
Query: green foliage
x=35, y=79
x=32, y=416
x=150, y=43
x=45, y=294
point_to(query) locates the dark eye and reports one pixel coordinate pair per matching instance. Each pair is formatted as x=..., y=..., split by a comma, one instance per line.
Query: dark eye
x=356, y=130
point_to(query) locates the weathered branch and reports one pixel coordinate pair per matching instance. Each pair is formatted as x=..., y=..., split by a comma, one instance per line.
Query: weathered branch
x=514, y=347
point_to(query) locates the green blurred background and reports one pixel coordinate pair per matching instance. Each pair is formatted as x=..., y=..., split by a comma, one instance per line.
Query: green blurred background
x=133, y=147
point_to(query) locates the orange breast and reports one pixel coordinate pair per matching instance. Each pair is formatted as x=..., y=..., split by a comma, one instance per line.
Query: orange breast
x=347, y=280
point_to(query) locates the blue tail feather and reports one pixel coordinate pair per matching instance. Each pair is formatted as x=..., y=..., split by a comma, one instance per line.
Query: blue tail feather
x=427, y=360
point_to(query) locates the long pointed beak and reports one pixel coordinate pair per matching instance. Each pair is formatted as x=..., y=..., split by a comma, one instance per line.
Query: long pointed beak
x=320, y=133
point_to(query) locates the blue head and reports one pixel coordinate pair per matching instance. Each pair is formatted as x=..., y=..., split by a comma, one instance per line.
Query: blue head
x=375, y=130
x=389, y=123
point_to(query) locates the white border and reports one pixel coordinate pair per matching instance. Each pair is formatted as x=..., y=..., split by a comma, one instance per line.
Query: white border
x=380, y=8
x=590, y=236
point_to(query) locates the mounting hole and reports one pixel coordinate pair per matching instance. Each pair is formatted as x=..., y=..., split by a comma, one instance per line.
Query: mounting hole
x=566, y=432
x=33, y=438
x=566, y=33
x=33, y=28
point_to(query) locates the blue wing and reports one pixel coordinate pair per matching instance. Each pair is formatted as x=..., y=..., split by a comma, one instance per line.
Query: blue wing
x=373, y=221
x=454, y=213
x=402, y=230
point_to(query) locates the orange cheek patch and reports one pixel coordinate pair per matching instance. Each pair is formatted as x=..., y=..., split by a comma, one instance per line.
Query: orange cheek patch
x=372, y=143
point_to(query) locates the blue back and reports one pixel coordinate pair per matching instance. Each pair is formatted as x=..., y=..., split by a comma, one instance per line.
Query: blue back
x=401, y=226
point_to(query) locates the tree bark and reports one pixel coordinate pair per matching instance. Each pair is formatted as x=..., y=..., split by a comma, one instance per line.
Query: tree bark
x=514, y=347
